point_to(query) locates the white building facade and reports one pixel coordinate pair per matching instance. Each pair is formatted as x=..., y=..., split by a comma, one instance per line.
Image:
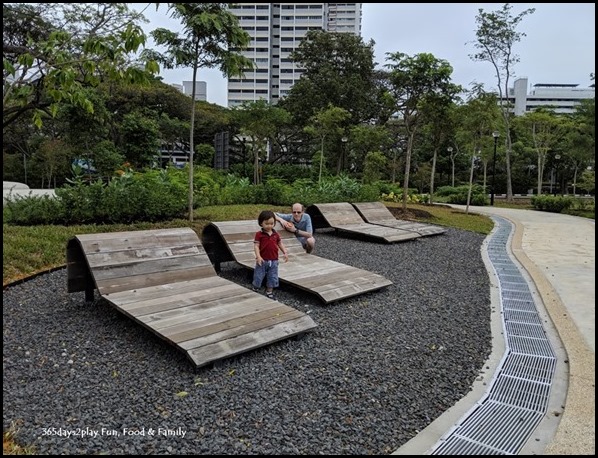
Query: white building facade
x=201, y=90
x=561, y=98
x=276, y=30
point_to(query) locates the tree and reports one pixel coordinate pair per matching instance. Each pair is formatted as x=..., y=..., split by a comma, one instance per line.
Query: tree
x=54, y=156
x=374, y=165
x=546, y=130
x=496, y=36
x=259, y=121
x=211, y=38
x=140, y=139
x=412, y=82
x=438, y=126
x=338, y=71
x=366, y=138
x=476, y=120
x=327, y=123
x=583, y=138
x=53, y=52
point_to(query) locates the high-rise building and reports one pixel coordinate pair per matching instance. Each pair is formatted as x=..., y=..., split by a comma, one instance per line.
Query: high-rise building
x=201, y=90
x=276, y=30
x=561, y=98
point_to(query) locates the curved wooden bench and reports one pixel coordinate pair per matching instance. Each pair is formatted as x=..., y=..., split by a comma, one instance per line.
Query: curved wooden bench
x=341, y=216
x=378, y=213
x=165, y=281
x=330, y=280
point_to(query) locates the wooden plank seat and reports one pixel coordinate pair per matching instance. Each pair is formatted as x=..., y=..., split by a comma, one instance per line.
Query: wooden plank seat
x=330, y=280
x=378, y=213
x=164, y=280
x=342, y=216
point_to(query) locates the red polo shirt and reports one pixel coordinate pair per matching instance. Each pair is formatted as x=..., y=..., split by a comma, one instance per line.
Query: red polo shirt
x=268, y=244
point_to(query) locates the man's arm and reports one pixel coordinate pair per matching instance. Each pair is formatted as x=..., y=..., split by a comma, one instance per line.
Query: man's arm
x=284, y=219
x=309, y=230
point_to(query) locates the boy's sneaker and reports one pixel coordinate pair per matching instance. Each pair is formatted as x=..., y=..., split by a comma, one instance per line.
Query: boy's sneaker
x=270, y=295
x=253, y=288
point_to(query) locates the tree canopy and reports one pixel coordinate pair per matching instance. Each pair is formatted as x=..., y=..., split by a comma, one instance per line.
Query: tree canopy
x=53, y=52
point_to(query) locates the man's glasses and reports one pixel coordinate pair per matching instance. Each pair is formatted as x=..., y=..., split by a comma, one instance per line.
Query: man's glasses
x=298, y=213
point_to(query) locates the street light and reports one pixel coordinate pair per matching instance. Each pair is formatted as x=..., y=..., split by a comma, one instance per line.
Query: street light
x=495, y=134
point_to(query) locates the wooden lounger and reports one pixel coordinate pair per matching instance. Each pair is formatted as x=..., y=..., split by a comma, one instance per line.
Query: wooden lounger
x=378, y=213
x=330, y=280
x=164, y=280
x=341, y=216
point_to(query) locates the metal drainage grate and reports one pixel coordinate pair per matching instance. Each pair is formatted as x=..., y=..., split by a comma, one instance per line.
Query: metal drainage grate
x=517, y=398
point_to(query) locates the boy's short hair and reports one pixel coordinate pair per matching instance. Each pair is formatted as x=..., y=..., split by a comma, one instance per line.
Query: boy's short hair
x=266, y=214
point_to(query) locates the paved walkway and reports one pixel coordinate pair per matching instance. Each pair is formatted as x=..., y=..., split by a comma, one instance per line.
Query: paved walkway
x=558, y=253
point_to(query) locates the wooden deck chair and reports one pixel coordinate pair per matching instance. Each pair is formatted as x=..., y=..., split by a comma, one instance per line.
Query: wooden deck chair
x=164, y=280
x=341, y=216
x=330, y=280
x=378, y=213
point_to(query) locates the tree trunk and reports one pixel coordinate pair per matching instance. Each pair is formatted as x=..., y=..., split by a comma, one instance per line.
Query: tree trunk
x=431, y=199
x=470, y=184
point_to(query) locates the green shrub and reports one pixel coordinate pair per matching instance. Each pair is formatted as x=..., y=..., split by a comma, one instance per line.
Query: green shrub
x=458, y=195
x=235, y=190
x=81, y=201
x=553, y=204
x=274, y=192
x=287, y=173
x=445, y=191
x=156, y=195
x=32, y=210
x=583, y=204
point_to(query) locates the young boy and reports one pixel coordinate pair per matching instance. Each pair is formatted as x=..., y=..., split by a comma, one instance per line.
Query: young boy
x=266, y=244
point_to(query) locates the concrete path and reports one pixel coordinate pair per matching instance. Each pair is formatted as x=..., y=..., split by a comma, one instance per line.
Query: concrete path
x=558, y=253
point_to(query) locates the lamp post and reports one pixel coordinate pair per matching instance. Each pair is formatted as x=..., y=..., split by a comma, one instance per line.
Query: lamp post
x=495, y=134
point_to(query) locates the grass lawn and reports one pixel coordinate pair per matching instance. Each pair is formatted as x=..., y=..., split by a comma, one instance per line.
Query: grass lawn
x=33, y=249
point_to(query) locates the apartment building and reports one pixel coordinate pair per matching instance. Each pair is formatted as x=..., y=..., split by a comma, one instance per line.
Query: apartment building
x=276, y=30
x=201, y=89
x=562, y=98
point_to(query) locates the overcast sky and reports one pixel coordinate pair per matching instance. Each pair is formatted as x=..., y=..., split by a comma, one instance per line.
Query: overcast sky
x=559, y=46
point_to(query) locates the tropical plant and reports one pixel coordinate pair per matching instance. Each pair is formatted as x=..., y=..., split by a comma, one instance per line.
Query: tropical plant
x=211, y=37
x=64, y=49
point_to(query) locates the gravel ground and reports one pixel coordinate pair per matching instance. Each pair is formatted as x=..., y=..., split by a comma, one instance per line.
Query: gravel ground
x=80, y=378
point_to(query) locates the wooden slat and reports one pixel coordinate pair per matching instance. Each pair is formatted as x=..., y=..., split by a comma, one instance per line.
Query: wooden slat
x=181, y=300
x=159, y=292
x=165, y=281
x=126, y=256
x=111, y=285
x=151, y=266
x=237, y=326
x=378, y=213
x=229, y=347
x=306, y=271
x=343, y=216
x=246, y=302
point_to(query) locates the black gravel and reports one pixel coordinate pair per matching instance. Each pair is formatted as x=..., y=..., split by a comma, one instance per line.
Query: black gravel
x=81, y=378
